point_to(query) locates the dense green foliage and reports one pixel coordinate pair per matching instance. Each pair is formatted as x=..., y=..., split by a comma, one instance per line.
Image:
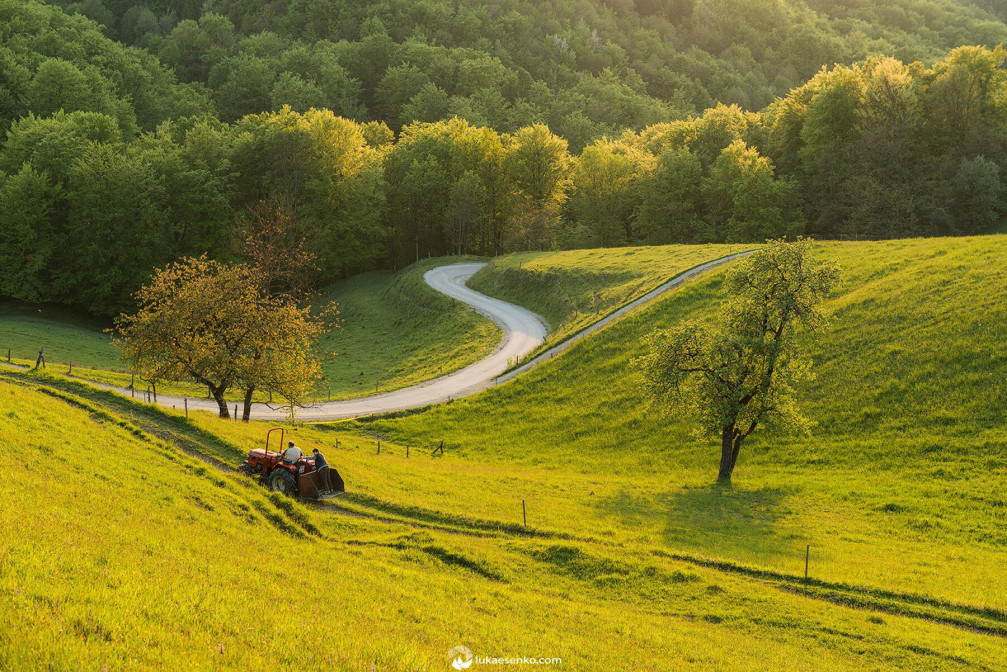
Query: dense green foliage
x=584, y=68
x=110, y=167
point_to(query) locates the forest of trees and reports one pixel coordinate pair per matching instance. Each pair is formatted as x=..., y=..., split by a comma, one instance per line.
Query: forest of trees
x=118, y=159
x=585, y=68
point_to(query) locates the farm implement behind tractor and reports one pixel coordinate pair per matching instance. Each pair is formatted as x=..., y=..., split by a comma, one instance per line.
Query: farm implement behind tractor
x=295, y=478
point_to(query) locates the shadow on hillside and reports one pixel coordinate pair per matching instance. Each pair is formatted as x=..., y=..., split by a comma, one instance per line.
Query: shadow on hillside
x=712, y=519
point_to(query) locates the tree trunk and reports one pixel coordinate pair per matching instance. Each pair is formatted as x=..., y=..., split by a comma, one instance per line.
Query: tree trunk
x=737, y=447
x=727, y=455
x=218, y=396
x=247, y=411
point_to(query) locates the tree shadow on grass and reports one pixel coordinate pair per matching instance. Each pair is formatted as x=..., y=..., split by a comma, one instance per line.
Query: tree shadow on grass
x=713, y=520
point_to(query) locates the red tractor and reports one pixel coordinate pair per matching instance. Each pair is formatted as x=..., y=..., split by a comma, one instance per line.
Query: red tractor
x=297, y=478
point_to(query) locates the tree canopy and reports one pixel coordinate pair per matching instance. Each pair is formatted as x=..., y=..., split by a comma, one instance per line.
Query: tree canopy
x=214, y=324
x=738, y=377
x=386, y=144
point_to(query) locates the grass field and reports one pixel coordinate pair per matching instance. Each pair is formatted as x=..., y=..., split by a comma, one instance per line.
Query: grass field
x=574, y=288
x=65, y=336
x=396, y=331
x=245, y=580
x=632, y=558
x=897, y=487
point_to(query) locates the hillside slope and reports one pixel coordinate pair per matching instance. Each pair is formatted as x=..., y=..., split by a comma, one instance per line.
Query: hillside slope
x=575, y=288
x=138, y=555
x=895, y=487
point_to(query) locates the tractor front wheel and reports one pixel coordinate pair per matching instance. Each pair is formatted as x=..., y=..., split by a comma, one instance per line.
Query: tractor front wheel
x=282, y=481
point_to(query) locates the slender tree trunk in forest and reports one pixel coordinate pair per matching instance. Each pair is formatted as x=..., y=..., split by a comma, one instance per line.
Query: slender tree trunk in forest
x=246, y=413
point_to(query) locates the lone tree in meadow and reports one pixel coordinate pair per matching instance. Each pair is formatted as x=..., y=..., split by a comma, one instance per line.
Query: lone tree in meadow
x=217, y=325
x=739, y=377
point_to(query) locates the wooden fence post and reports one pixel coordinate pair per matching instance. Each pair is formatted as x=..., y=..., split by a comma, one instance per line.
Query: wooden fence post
x=379, y=446
x=235, y=412
x=407, y=452
x=186, y=400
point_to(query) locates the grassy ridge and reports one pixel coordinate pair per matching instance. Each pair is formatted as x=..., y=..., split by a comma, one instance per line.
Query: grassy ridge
x=396, y=331
x=896, y=489
x=238, y=571
x=574, y=288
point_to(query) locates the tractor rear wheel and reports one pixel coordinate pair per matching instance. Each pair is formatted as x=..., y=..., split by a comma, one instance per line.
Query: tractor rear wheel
x=282, y=481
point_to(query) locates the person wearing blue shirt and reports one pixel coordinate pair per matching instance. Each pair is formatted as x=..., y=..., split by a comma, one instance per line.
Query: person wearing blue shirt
x=322, y=467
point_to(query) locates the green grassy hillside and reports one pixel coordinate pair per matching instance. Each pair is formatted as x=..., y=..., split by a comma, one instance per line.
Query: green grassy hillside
x=65, y=336
x=574, y=288
x=898, y=487
x=140, y=555
x=395, y=331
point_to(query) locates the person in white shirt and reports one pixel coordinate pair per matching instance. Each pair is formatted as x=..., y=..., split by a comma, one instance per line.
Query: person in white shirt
x=292, y=454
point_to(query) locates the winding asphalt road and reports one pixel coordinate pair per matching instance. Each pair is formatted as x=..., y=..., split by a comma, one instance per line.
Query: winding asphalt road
x=523, y=332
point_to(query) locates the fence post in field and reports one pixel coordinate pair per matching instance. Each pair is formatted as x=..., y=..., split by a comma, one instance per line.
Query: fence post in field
x=379, y=446
x=235, y=412
x=186, y=400
x=407, y=452
x=154, y=385
x=807, y=556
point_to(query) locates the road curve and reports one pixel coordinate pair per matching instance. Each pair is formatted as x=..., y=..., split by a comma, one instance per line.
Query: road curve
x=523, y=331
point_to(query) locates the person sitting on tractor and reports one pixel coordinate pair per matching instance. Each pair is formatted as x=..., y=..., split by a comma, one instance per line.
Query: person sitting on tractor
x=322, y=467
x=292, y=454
